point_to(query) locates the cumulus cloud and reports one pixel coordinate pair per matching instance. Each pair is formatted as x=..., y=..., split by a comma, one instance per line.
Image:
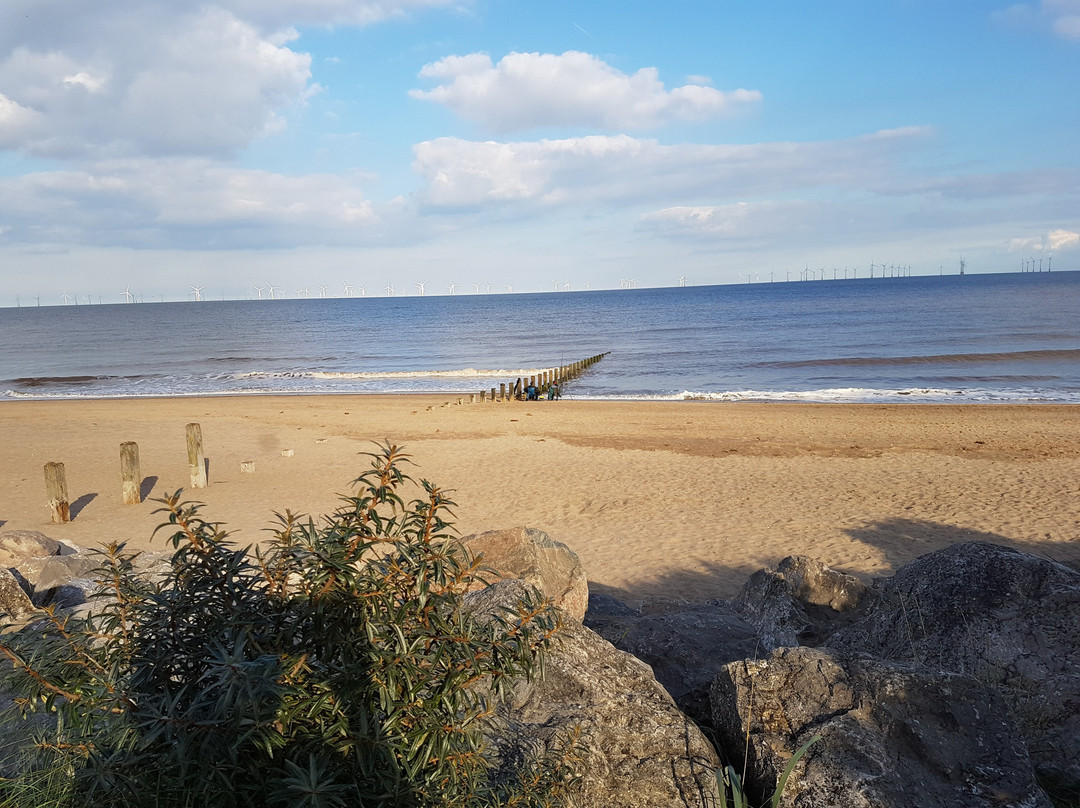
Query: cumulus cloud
x=112, y=82
x=537, y=90
x=462, y=174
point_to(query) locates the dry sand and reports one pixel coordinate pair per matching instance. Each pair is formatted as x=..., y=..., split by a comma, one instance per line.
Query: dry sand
x=662, y=500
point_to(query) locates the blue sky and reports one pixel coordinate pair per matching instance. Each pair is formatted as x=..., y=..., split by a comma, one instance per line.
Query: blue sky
x=158, y=145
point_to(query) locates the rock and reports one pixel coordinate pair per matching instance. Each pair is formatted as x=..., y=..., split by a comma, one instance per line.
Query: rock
x=686, y=647
x=797, y=603
x=534, y=557
x=65, y=580
x=13, y=600
x=18, y=545
x=1009, y=619
x=891, y=734
x=639, y=750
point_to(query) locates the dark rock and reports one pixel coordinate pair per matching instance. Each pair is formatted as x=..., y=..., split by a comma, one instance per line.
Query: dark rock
x=799, y=602
x=1006, y=618
x=891, y=734
x=639, y=750
x=685, y=648
x=14, y=602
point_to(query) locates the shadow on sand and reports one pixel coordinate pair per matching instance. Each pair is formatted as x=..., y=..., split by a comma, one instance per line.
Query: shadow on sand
x=899, y=541
x=78, y=505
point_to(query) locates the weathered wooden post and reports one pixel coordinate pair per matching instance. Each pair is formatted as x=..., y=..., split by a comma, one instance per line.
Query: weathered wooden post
x=196, y=460
x=56, y=490
x=502, y=391
x=129, y=473
x=492, y=395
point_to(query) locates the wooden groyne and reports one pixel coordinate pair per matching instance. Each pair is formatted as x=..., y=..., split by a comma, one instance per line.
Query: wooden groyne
x=542, y=382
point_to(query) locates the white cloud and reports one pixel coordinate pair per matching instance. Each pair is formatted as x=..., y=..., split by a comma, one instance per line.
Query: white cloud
x=535, y=90
x=190, y=203
x=1059, y=240
x=1063, y=240
x=115, y=81
x=464, y=174
x=1062, y=17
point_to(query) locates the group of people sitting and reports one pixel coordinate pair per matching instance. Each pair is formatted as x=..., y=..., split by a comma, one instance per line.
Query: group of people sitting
x=532, y=392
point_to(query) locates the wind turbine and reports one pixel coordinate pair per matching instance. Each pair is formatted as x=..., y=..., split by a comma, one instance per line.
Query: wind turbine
x=389, y=289
x=67, y=298
x=305, y=292
x=453, y=287
x=363, y=291
x=682, y=280
x=322, y=290
x=556, y=285
x=421, y=285
x=198, y=293
x=128, y=297
x=488, y=287
x=272, y=289
x=509, y=288
x=566, y=286
x=347, y=290
x=476, y=286
x=259, y=290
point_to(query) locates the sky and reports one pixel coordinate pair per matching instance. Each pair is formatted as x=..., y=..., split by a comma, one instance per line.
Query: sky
x=149, y=148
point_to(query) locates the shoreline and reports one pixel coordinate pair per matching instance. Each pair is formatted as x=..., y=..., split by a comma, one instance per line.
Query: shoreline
x=662, y=500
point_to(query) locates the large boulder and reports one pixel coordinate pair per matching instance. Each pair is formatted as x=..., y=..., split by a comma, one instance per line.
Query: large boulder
x=639, y=750
x=18, y=545
x=799, y=602
x=890, y=734
x=1009, y=619
x=686, y=646
x=534, y=557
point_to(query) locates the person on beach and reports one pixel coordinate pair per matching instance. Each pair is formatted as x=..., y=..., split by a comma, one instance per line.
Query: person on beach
x=530, y=393
x=553, y=392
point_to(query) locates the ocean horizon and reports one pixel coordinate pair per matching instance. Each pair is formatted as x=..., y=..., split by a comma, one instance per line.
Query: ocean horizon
x=995, y=338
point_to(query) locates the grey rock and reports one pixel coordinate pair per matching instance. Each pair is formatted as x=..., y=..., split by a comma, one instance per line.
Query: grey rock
x=799, y=602
x=1009, y=619
x=890, y=734
x=686, y=647
x=14, y=602
x=534, y=557
x=639, y=750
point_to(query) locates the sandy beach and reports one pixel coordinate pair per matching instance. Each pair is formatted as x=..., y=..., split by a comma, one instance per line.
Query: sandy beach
x=661, y=500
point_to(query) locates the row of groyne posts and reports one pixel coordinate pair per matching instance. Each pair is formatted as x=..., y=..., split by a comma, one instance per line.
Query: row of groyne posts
x=516, y=391
x=130, y=475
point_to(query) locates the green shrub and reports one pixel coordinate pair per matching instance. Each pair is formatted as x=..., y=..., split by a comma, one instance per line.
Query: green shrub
x=335, y=666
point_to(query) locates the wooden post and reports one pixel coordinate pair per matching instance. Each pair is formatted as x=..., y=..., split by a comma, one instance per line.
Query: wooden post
x=502, y=391
x=56, y=489
x=129, y=473
x=492, y=395
x=195, y=458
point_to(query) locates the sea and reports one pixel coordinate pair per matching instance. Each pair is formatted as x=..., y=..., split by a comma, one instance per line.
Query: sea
x=1009, y=338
